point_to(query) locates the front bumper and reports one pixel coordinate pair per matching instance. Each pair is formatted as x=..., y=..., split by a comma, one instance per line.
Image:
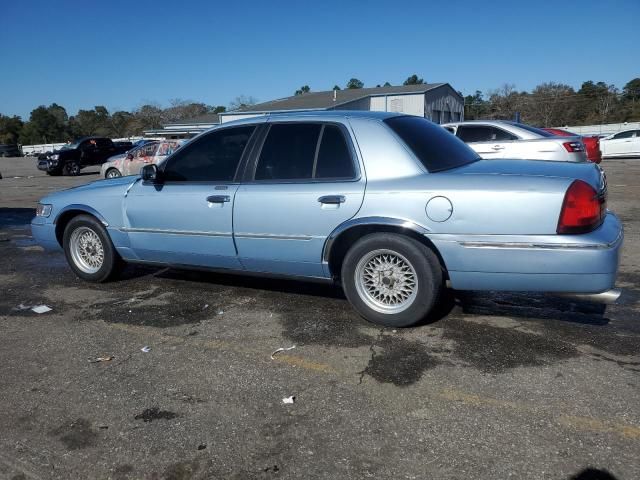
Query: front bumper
x=47, y=165
x=44, y=233
x=585, y=263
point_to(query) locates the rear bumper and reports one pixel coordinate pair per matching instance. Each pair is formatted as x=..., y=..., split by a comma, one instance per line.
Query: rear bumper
x=585, y=263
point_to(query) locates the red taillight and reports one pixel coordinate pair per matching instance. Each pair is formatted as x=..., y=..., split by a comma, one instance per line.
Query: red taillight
x=582, y=209
x=573, y=146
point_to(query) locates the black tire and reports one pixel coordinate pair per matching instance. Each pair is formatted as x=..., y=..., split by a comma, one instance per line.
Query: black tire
x=111, y=263
x=71, y=168
x=426, y=267
x=114, y=172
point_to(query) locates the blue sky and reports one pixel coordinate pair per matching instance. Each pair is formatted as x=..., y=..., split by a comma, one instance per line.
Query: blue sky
x=122, y=54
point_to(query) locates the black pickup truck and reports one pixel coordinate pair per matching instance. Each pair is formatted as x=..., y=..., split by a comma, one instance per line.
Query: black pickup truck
x=72, y=158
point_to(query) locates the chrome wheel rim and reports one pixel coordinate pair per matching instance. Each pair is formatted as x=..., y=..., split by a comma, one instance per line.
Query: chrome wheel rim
x=386, y=281
x=86, y=250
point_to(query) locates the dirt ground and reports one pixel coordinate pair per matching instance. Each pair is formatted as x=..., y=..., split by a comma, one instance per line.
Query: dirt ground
x=503, y=386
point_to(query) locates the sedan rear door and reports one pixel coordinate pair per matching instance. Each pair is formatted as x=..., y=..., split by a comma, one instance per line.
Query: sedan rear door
x=304, y=182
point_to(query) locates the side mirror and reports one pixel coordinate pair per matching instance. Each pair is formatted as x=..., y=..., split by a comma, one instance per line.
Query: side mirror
x=149, y=173
x=129, y=156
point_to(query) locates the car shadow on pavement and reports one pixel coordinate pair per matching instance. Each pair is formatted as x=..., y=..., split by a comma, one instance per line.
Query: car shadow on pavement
x=257, y=283
x=532, y=305
x=12, y=217
x=593, y=474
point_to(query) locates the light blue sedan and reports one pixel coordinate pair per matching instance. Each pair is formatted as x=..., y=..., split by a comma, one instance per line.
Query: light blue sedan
x=392, y=207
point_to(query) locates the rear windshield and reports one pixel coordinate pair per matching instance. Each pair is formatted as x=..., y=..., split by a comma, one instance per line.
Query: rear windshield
x=539, y=131
x=434, y=146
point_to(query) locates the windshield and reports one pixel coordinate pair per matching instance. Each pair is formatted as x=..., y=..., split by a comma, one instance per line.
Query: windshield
x=434, y=146
x=70, y=146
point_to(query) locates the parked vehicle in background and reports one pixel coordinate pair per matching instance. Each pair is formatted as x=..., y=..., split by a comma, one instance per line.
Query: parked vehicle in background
x=591, y=143
x=285, y=195
x=131, y=162
x=621, y=144
x=127, y=144
x=9, y=150
x=502, y=139
x=72, y=158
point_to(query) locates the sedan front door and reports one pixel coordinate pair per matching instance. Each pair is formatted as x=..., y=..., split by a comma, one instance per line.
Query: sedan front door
x=305, y=183
x=187, y=218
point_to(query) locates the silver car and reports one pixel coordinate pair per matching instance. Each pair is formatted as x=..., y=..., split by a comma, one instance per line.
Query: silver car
x=502, y=139
x=390, y=206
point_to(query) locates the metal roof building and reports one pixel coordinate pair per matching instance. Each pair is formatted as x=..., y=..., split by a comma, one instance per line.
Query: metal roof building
x=438, y=102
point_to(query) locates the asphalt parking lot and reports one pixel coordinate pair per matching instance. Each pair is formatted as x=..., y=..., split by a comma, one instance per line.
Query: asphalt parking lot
x=502, y=386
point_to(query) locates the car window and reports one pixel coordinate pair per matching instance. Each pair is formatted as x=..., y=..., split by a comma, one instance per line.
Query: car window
x=88, y=145
x=212, y=158
x=483, y=133
x=167, y=148
x=334, y=158
x=537, y=131
x=149, y=150
x=627, y=134
x=103, y=143
x=434, y=147
x=288, y=152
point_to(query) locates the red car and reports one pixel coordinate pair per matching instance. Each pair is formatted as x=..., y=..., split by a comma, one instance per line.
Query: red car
x=591, y=144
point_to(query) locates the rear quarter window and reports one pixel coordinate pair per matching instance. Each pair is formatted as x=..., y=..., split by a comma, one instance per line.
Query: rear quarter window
x=432, y=145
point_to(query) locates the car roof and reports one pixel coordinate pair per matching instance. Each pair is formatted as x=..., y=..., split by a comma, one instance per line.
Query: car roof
x=325, y=115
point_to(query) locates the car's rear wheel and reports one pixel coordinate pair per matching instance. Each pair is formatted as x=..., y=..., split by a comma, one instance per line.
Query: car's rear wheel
x=112, y=173
x=392, y=279
x=72, y=168
x=89, y=249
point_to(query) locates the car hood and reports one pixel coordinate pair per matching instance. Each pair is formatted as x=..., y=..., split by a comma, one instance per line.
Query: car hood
x=109, y=186
x=585, y=171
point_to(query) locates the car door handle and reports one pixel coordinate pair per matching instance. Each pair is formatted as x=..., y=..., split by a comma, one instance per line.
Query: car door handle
x=498, y=147
x=218, y=199
x=332, y=199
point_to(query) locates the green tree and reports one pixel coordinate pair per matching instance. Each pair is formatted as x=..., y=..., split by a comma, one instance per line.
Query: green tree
x=387, y=84
x=10, y=128
x=631, y=91
x=302, y=90
x=120, y=124
x=91, y=122
x=475, y=106
x=354, y=83
x=45, y=125
x=413, y=80
x=336, y=87
x=220, y=109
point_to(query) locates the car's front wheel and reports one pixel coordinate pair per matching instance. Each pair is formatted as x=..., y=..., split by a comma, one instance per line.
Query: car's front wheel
x=72, y=168
x=392, y=279
x=113, y=173
x=89, y=249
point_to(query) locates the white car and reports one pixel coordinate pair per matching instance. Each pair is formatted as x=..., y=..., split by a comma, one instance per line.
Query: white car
x=621, y=144
x=131, y=162
x=502, y=139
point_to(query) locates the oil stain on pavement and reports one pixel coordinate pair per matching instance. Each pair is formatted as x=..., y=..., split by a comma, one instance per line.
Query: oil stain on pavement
x=76, y=435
